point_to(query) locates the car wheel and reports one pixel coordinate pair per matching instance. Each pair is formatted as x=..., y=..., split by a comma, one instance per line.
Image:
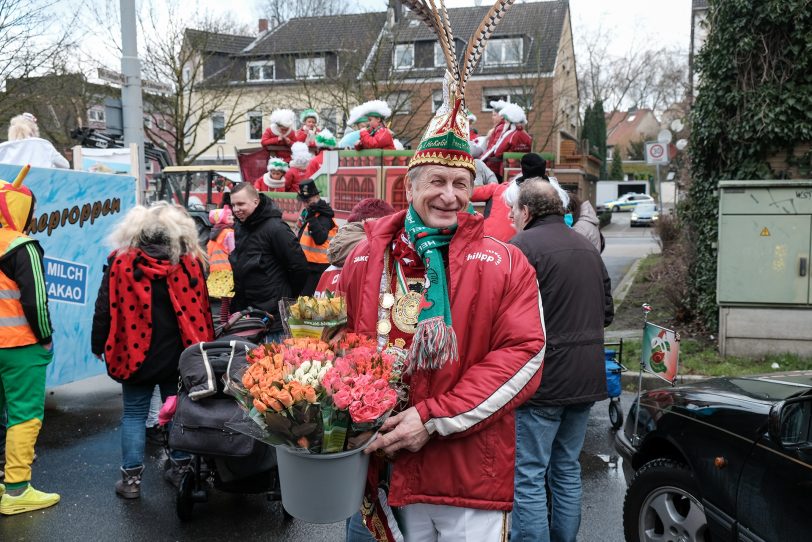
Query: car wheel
x=663, y=503
x=615, y=209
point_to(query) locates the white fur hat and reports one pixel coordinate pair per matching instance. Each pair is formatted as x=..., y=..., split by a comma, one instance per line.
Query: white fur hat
x=284, y=117
x=513, y=114
x=300, y=154
x=497, y=105
x=373, y=107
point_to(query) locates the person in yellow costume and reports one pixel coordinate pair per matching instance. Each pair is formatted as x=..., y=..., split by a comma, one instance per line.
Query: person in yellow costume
x=26, y=347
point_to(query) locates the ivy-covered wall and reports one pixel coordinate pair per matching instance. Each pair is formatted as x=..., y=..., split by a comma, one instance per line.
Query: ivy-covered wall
x=753, y=103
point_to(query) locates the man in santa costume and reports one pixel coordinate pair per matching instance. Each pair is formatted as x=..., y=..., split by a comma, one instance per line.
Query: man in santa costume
x=300, y=158
x=513, y=138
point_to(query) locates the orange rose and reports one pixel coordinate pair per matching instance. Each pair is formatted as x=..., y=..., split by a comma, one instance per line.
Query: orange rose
x=276, y=405
x=260, y=406
x=285, y=398
x=310, y=394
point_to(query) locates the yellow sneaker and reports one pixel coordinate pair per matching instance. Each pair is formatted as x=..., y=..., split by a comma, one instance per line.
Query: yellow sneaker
x=30, y=500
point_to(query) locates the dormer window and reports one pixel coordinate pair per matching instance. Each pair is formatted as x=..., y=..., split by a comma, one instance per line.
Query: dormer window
x=403, y=56
x=310, y=68
x=260, y=71
x=504, y=52
x=439, y=57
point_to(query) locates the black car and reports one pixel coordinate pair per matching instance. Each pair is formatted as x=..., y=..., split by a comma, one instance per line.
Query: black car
x=722, y=459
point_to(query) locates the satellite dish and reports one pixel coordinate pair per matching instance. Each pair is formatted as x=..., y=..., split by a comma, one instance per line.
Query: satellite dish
x=677, y=125
x=681, y=144
x=664, y=137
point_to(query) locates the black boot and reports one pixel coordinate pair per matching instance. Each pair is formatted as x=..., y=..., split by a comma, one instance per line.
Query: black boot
x=175, y=469
x=129, y=487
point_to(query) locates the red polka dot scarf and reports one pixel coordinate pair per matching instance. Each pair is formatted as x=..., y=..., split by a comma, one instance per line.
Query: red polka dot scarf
x=131, y=277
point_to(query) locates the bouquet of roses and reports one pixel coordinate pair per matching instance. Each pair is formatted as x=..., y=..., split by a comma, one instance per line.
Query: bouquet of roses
x=301, y=394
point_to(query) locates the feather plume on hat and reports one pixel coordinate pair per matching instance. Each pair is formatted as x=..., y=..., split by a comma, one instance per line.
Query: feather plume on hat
x=446, y=139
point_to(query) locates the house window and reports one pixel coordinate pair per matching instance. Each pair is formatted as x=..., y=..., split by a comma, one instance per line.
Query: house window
x=509, y=95
x=310, y=68
x=254, y=126
x=187, y=75
x=403, y=56
x=436, y=100
x=439, y=57
x=400, y=102
x=260, y=71
x=218, y=127
x=148, y=124
x=95, y=115
x=504, y=52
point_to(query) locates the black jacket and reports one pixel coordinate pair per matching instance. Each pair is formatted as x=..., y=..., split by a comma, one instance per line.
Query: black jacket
x=268, y=262
x=576, y=296
x=161, y=362
x=319, y=217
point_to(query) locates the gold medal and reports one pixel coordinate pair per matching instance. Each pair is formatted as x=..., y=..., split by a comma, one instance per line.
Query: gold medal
x=406, y=311
x=387, y=300
x=384, y=327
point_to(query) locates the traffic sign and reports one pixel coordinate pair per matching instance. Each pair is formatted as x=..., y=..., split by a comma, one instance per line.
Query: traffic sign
x=656, y=153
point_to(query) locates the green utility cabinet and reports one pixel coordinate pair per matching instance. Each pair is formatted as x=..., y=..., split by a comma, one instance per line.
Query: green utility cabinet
x=763, y=277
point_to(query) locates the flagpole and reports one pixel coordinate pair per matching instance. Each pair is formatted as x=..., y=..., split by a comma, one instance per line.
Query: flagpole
x=635, y=438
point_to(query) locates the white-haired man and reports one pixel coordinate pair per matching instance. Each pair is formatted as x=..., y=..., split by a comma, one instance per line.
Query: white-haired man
x=463, y=309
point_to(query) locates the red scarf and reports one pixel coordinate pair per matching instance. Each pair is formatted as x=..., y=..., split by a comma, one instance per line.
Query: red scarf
x=131, y=277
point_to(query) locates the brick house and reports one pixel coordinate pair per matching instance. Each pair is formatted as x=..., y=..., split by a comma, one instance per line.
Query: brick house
x=626, y=127
x=331, y=63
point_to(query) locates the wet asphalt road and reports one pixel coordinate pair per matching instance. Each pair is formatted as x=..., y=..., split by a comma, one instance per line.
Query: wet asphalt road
x=79, y=457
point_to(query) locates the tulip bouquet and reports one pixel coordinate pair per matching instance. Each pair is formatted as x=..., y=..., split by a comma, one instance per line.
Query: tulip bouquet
x=300, y=393
x=309, y=316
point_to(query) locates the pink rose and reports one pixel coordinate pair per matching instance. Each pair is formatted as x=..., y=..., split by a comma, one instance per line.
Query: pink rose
x=365, y=413
x=342, y=399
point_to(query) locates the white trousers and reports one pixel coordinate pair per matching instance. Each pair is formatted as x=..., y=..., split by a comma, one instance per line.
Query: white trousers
x=439, y=523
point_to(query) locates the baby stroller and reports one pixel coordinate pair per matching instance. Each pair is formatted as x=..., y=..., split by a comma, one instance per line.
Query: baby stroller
x=222, y=458
x=613, y=371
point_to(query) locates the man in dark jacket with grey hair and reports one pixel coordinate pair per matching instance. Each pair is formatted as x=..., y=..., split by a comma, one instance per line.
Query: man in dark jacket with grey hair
x=550, y=428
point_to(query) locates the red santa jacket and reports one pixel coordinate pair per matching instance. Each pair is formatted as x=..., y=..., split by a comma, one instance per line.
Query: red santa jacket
x=292, y=179
x=515, y=140
x=380, y=138
x=498, y=224
x=467, y=406
x=271, y=138
x=314, y=165
x=495, y=134
x=262, y=186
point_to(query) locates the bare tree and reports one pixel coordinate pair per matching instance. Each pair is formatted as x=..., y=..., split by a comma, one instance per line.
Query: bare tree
x=32, y=38
x=280, y=11
x=200, y=78
x=641, y=77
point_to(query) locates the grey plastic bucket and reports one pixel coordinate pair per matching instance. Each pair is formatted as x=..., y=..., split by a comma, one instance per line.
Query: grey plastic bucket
x=322, y=488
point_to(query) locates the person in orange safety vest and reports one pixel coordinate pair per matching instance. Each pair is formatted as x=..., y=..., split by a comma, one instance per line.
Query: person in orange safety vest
x=220, y=282
x=316, y=229
x=26, y=347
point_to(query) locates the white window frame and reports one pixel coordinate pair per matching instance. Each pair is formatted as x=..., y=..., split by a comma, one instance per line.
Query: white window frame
x=509, y=93
x=308, y=65
x=250, y=115
x=402, y=47
x=436, y=100
x=211, y=120
x=261, y=64
x=487, y=59
x=98, y=112
x=400, y=98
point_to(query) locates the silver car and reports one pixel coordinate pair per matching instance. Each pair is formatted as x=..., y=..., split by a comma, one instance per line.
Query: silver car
x=645, y=214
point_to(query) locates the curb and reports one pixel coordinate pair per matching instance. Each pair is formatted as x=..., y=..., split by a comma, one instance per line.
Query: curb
x=622, y=289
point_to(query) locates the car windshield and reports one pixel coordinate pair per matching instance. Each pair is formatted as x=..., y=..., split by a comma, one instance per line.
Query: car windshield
x=646, y=208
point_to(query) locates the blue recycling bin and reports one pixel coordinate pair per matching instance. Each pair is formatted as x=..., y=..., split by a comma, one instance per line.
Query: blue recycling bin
x=613, y=370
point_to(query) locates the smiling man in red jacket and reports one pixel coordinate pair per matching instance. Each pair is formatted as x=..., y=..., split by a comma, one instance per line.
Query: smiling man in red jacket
x=465, y=312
